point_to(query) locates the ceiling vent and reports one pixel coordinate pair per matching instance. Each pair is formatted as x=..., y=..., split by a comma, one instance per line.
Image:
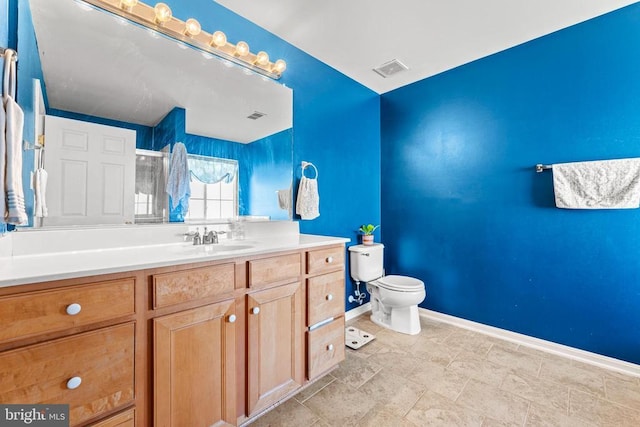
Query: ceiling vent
x=390, y=68
x=256, y=115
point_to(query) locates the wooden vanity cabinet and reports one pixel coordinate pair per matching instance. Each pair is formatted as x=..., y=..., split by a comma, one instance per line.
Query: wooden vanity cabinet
x=194, y=366
x=210, y=343
x=325, y=310
x=67, y=342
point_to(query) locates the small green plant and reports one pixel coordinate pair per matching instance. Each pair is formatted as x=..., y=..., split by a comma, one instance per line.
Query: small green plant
x=367, y=229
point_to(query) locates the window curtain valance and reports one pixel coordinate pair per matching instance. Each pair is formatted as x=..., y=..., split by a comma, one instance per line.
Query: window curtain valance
x=211, y=170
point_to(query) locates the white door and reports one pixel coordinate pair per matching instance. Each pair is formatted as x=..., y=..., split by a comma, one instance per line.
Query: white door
x=91, y=171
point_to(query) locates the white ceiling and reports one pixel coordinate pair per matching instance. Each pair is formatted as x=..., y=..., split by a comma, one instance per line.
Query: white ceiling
x=429, y=36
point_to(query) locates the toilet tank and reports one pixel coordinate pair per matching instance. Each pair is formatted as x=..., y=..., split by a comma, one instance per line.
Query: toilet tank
x=366, y=262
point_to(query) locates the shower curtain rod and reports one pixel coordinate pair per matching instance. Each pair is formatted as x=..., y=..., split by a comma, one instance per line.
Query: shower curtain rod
x=4, y=49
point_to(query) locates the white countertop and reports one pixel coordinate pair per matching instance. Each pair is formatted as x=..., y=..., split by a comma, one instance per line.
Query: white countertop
x=23, y=269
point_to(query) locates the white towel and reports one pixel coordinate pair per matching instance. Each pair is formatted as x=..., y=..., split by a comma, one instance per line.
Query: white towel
x=284, y=199
x=40, y=178
x=178, y=185
x=14, y=119
x=308, y=202
x=603, y=184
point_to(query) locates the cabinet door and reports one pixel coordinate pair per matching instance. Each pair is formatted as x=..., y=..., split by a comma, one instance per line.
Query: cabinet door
x=274, y=345
x=194, y=367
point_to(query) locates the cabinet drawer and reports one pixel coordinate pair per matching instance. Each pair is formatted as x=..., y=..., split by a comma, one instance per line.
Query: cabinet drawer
x=26, y=315
x=187, y=285
x=323, y=260
x=325, y=347
x=275, y=269
x=325, y=297
x=123, y=419
x=102, y=360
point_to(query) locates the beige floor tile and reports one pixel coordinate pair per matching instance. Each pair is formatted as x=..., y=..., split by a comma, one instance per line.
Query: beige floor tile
x=396, y=339
x=490, y=422
x=469, y=341
x=314, y=388
x=602, y=412
x=394, y=360
x=493, y=402
x=439, y=379
x=393, y=394
x=575, y=377
x=517, y=361
x=546, y=393
x=355, y=371
x=543, y=416
x=478, y=367
x=290, y=414
x=428, y=349
x=380, y=418
x=447, y=376
x=623, y=391
x=340, y=405
x=433, y=409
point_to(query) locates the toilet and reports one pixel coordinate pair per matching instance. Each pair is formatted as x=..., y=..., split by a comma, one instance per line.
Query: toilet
x=394, y=299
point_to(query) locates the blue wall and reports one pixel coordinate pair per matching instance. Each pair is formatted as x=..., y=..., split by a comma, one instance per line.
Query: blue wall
x=463, y=209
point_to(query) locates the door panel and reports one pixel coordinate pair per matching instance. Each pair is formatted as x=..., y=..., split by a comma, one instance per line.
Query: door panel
x=91, y=172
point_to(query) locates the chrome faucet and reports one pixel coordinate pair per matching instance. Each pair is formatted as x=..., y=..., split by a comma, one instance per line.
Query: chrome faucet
x=212, y=236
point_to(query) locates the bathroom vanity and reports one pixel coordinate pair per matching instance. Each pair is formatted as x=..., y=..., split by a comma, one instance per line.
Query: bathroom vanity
x=171, y=334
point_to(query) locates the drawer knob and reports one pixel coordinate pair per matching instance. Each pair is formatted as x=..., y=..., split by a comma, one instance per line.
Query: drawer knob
x=73, y=309
x=329, y=297
x=232, y=318
x=74, y=383
x=329, y=260
x=255, y=310
x=330, y=347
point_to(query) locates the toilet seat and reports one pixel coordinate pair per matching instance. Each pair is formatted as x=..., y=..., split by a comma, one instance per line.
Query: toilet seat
x=399, y=283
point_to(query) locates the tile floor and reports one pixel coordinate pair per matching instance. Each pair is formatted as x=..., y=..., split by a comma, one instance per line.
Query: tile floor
x=448, y=376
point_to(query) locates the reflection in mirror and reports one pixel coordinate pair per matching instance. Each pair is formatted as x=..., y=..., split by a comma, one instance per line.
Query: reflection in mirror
x=100, y=69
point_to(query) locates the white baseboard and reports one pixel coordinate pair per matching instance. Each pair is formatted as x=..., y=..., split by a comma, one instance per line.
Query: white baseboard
x=521, y=339
x=358, y=311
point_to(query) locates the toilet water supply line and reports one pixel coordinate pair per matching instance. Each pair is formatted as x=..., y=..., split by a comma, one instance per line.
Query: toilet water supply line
x=360, y=296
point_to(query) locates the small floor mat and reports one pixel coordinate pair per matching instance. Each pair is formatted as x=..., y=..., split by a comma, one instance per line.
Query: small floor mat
x=356, y=338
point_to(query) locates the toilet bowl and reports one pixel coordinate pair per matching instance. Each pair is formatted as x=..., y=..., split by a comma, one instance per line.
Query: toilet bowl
x=394, y=299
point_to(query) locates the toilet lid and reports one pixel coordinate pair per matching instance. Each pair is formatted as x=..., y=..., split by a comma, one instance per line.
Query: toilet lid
x=400, y=283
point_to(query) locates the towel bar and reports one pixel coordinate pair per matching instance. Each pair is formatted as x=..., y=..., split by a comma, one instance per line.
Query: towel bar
x=541, y=168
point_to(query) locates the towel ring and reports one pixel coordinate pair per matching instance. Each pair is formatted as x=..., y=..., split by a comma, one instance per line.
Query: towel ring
x=309, y=164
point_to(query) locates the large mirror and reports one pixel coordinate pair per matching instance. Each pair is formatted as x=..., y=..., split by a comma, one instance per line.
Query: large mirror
x=99, y=68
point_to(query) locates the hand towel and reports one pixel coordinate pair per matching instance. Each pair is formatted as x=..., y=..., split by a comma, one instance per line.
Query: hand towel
x=284, y=199
x=178, y=184
x=603, y=184
x=14, y=119
x=40, y=178
x=308, y=202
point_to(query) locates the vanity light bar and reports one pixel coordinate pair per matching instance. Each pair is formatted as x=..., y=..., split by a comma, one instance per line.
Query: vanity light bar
x=161, y=19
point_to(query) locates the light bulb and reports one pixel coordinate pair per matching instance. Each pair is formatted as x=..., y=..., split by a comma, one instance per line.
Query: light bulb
x=242, y=48
x=218, y=39
x=128, y=3
x=192, y=27
x=163, y=13
x=279, y=66
x=262, y=58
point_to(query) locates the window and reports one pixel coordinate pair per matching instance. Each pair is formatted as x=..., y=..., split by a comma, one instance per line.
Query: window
x=214, y=188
